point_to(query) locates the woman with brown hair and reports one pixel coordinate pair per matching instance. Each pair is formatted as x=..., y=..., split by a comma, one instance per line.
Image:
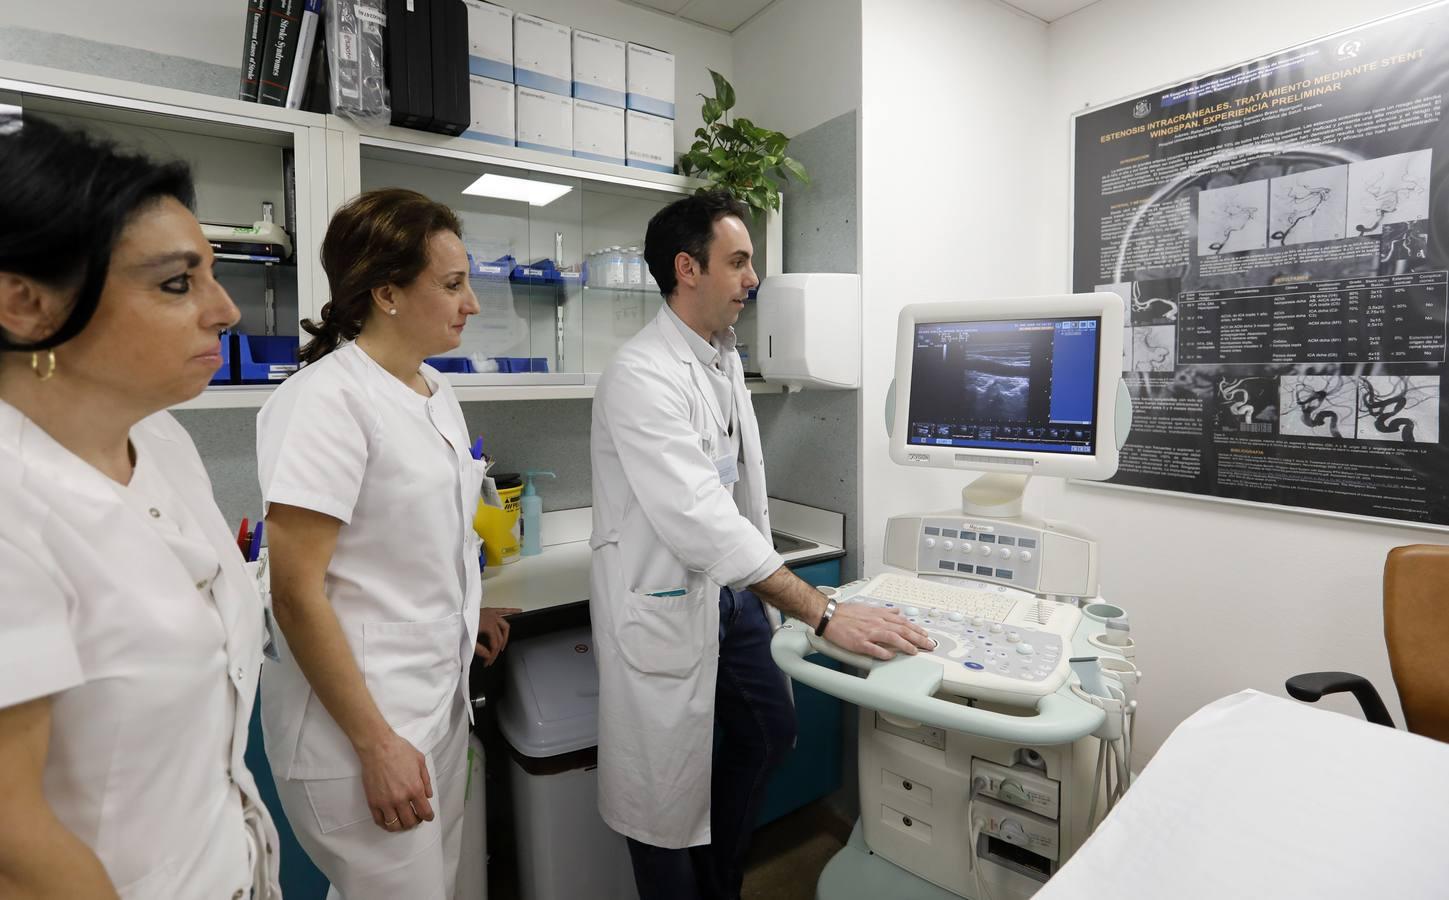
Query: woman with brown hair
x=370, y=490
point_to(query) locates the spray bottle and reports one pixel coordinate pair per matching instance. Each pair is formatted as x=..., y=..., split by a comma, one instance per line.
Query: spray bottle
x=530, y=505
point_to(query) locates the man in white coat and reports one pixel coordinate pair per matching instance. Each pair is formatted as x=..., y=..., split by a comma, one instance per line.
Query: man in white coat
x=686, y=585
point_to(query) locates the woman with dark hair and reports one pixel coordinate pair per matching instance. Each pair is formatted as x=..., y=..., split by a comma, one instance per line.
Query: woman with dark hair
x=370, y=490
x=130, y=633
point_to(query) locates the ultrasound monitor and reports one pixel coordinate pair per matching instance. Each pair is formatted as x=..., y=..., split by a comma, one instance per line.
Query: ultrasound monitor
x=1024, y=386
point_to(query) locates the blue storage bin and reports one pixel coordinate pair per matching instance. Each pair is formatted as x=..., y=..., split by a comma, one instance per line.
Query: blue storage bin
x=522, y=363
x=500, y=268
x=223, y=375
x=542, y=272
x=264, y=360
x=461, y=365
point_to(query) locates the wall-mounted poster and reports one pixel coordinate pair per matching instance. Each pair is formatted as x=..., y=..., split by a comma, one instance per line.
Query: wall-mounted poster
x=1279, y=235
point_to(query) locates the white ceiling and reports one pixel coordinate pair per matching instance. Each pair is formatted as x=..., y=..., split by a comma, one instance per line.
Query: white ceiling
x=724, y=15
x=1049, y=10
x=729, y=15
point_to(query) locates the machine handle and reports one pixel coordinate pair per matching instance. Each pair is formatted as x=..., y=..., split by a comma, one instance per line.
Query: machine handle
x=904, y=688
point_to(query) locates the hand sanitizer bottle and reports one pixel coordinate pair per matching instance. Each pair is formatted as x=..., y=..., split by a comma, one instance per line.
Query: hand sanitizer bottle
x=530, y=506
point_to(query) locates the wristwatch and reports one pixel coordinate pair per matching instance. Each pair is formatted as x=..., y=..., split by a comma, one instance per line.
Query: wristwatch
x=825, y=617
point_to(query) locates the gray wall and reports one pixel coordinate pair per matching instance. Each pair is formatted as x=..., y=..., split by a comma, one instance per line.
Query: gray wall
x=811, y=438
x=45, y=48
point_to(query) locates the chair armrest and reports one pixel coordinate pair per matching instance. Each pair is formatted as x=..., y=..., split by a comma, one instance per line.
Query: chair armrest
x=1310, y=686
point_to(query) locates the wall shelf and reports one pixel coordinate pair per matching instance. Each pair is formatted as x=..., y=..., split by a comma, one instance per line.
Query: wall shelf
x=235, y=149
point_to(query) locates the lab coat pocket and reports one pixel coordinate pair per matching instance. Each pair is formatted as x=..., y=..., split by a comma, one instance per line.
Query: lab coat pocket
x=337, y=802
x=666, y=635
x=411, y=667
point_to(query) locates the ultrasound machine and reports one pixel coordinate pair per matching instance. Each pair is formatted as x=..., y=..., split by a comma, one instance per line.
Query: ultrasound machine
x=985, y=763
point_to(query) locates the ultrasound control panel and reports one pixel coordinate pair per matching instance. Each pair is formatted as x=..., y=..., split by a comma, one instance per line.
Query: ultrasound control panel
x=985, y=551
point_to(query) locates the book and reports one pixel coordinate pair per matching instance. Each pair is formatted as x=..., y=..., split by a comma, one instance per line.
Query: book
x=317, y=98
x=284, y=19
x=253, y=38
x=302, y=59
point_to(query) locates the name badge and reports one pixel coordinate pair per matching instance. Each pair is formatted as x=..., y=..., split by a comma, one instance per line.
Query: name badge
x=729, y=470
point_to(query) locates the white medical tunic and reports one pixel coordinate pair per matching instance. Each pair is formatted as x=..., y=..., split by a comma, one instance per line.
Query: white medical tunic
x=130, y=608
x=345, y=438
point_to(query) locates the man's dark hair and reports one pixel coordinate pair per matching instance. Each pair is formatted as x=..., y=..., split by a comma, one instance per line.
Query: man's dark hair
x=686, y=226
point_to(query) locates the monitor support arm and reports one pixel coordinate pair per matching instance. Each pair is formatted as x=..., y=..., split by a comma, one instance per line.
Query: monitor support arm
x=995, y=495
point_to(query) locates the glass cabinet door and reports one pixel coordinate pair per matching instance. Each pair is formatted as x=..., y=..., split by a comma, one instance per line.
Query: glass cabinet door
x=560, y=279
x=246, y=170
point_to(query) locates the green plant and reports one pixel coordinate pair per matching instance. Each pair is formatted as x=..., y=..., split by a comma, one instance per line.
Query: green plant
x=739, y=156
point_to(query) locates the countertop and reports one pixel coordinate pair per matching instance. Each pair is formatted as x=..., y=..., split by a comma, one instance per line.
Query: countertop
x=559, y=576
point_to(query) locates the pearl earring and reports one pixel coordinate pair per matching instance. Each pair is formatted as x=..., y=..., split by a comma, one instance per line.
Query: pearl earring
x=392, y=312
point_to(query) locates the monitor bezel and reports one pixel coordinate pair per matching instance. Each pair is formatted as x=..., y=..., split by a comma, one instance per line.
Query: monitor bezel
x=1096, y=466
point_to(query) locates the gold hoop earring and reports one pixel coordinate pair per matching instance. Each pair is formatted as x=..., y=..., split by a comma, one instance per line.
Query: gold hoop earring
x=50, y=365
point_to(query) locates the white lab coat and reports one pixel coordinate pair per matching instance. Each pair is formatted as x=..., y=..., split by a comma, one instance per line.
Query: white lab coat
x=150, y=661
x=662, y=523
x=344, y=438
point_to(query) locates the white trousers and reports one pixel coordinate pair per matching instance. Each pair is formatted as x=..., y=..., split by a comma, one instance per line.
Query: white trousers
x=334, y=825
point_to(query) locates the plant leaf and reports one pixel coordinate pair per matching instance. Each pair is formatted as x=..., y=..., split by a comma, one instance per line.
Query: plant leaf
x=723, y=90
x=794, y=168
x=711, y=111
x=730, y=133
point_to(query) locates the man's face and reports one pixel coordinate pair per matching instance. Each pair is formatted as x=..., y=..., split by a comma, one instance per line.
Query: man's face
x=721, y=289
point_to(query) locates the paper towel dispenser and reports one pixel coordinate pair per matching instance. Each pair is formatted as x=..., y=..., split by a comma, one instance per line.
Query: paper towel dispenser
x=809, y=330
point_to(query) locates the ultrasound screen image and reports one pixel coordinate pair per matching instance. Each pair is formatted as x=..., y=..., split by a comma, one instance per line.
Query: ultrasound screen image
x=996, y=384
x=1026, y=385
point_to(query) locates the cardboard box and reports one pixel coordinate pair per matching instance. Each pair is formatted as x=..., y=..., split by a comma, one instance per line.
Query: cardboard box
x=598, y=132
x=545, y=121
x=490, y=41
x=650, y=81
x=599, y=69
x=542, y=55
x=649, y=141
x=493, y=111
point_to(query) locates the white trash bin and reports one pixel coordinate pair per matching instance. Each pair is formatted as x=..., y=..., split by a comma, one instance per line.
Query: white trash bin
x=549, y=714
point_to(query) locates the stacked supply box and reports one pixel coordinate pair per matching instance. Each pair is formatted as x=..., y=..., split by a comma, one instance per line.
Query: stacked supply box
x=491, y=100
x=598, y=132
x=649, y=141
x=599, y=69
x=490, y=41
x=545, y=121
x=599, y=83
x=541, y=55
x=493, y=111
x=650, y=81
x=649, y=95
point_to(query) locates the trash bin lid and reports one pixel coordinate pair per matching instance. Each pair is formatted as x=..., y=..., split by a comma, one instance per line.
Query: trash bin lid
x=551, y=702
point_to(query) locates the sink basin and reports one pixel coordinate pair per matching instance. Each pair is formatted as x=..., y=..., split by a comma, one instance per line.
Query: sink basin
x=784, y=543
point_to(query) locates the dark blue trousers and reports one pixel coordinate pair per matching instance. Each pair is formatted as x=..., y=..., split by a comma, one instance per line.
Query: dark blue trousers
x=754, y=724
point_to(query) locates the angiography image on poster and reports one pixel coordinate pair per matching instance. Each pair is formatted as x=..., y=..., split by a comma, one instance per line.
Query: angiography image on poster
x=1279, y=235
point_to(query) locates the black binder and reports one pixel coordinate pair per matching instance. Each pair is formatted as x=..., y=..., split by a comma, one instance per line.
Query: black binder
x=409, y=63
x=253, y=41
x=452, y=110
x=283, y=20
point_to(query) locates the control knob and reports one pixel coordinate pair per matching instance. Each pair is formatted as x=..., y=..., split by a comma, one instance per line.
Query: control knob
x=1012, y=832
